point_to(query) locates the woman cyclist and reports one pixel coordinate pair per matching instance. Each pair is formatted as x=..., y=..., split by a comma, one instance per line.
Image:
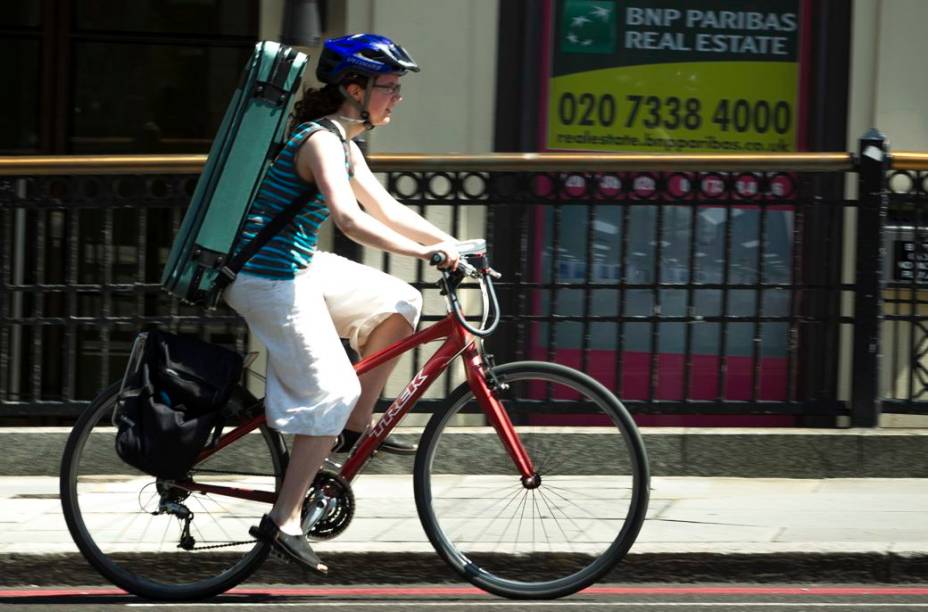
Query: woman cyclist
x=299, y=301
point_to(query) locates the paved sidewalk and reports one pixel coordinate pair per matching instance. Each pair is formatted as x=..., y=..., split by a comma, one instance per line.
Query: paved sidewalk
x=691, y=521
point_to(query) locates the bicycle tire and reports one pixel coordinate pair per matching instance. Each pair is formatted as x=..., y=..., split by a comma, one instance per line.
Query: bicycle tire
x=568, y=565
x=161, y=574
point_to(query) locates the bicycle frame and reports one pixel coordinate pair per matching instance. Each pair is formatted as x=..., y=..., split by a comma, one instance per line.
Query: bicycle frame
x=457, y=342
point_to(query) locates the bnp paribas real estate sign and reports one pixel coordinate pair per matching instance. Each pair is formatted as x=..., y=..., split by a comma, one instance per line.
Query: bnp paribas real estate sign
x=674, y=75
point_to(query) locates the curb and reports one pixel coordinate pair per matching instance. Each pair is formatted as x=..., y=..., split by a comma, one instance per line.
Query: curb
x=406, y=568
x=744, y=453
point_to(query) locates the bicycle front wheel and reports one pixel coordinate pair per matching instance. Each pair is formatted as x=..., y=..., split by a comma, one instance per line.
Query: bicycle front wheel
x=132, y=528
x=571, y=529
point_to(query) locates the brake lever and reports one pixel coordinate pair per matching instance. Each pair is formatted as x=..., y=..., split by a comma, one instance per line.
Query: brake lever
x=468, y=269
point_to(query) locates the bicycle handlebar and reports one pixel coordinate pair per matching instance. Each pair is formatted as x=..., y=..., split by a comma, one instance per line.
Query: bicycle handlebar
x=484, y=275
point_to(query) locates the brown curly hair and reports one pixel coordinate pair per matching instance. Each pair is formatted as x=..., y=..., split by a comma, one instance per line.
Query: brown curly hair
x=319, y=102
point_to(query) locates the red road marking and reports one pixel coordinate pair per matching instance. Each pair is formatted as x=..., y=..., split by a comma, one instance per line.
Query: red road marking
x=441, y=591
x=60, y=592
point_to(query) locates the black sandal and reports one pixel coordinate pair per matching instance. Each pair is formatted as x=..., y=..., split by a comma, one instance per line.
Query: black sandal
x=347, y=439
x=294, y=548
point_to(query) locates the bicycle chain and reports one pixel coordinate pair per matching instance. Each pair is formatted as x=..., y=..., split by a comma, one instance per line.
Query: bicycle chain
x=226, y=545
x=324, y=477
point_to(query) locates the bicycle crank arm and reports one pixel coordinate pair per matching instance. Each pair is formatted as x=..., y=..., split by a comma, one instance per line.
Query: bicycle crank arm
x=319, y=505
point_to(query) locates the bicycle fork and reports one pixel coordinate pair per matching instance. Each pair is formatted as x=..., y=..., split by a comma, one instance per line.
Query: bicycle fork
x=476, y=367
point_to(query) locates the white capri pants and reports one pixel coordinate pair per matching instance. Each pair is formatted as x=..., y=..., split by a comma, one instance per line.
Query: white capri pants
x=311, y=384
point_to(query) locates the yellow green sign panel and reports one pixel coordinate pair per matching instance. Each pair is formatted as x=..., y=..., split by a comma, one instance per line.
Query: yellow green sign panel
x=663, y=76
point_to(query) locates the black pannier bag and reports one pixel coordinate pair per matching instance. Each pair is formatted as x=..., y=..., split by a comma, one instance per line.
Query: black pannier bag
x=171, y=401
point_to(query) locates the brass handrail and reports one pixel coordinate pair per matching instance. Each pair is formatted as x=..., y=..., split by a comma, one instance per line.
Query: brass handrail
x=500, y=162
x=614, y=162
x=41, y=165
x=909, y=160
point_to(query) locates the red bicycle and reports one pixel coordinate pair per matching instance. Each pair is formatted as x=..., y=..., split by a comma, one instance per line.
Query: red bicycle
x=540, y=503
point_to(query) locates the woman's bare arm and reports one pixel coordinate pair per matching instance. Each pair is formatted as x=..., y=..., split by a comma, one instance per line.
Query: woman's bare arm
x=384, y=207
x=320, y=159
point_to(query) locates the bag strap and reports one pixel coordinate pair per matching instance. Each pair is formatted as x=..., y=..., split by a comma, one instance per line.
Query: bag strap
x=228, y=272
x=217, y=431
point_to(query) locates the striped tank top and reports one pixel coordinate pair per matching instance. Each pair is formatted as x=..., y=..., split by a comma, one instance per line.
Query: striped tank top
x=291, y=250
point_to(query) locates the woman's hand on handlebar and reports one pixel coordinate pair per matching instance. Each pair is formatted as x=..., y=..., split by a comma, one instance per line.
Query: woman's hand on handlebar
x=445, y=255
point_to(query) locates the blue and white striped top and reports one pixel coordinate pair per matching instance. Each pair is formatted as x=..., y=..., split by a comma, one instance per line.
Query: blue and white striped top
x=292, y=248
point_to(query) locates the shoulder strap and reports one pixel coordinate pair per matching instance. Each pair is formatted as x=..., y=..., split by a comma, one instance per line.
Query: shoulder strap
x=228, y=272
x=327, y=124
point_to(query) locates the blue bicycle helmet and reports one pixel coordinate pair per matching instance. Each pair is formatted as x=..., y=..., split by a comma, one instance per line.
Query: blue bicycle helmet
x=368, y=55
x=365, y=54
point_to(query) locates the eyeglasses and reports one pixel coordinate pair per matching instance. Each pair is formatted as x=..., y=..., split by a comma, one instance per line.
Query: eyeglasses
x=393, y=90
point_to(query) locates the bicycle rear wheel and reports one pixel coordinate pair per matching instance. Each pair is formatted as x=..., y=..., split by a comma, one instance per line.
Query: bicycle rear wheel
x=109, y=506
x=541, y=542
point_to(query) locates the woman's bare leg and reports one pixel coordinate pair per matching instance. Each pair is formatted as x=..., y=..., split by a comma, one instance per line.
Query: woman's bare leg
x=308, y=452
x=392, y=330
x=305, y=460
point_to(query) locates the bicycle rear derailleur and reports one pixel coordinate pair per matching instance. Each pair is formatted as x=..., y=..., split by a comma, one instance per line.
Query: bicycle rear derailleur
x=171, y=502
x=183, y=513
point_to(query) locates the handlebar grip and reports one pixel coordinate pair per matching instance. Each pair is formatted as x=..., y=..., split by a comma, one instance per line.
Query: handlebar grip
x=437, y=258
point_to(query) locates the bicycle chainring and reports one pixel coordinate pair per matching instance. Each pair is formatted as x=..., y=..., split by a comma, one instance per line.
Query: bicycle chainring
x=339, y=516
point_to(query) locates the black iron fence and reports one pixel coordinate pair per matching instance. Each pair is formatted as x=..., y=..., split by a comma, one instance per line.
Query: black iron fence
x=699, y=284
x=80, y=262
x=904, y=331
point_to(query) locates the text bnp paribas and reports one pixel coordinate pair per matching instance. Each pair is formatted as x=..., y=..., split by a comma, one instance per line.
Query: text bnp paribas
x=743, y=32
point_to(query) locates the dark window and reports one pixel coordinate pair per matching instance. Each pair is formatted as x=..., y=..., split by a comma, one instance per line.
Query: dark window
x=111, y=76
x=134, y=97
x=19, y=106
x=23, y=13
x=201, y=17
x=20, y=37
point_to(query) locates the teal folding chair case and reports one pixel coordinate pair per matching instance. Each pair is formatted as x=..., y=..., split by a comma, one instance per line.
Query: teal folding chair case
x=253, y=130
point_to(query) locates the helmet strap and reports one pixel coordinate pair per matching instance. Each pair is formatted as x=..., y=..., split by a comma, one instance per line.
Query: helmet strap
x=362, y=107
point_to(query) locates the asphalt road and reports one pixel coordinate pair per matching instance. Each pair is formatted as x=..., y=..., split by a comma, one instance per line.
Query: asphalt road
x=627, y=598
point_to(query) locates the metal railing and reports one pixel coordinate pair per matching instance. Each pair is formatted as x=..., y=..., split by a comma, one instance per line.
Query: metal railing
x=690, y=284
x=903, y=336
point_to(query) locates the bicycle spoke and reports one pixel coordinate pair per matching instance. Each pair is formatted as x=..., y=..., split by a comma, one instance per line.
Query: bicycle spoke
x=167, y=528
x=573, y=523
x=573, y=504
x=515, y=542
x=551, y=458
x=560, y=535
x=132, y=523
x=587, y=495
x=541, y=519
x=508, y=501
x=509, y=522
x=217, y=522
x=553, y=516
x=109, y=509
x=491, y=493
x=533, y=517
